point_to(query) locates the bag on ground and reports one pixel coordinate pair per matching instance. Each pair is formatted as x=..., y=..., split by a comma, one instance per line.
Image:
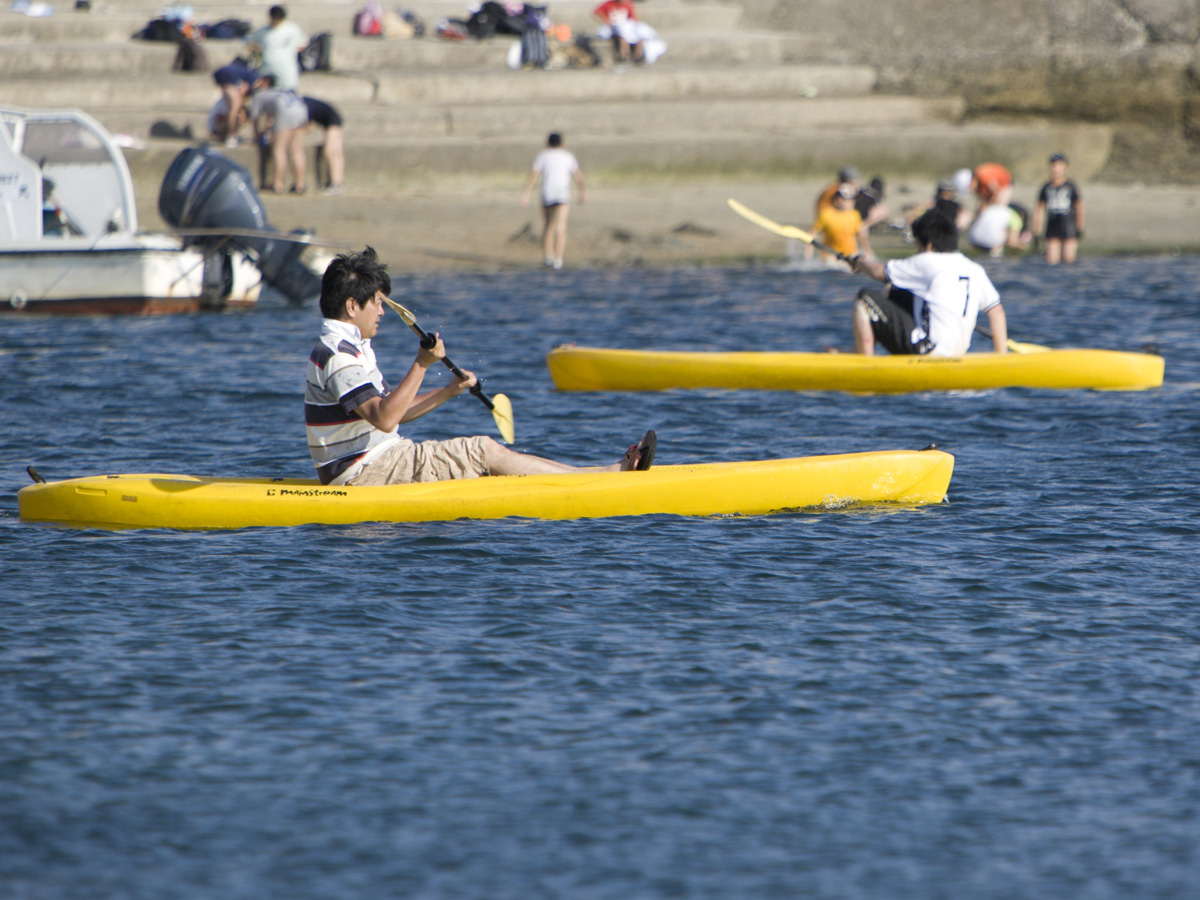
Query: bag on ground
x=316, y=57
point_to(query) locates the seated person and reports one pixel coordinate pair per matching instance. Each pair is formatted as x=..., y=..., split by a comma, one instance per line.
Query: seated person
x=352, y=414
x=929, y=302
x=620, y=23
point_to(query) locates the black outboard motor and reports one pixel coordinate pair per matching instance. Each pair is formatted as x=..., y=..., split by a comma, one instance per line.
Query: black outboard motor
x=203, y=189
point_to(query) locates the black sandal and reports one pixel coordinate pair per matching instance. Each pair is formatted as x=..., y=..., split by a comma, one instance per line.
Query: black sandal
x=646, y=449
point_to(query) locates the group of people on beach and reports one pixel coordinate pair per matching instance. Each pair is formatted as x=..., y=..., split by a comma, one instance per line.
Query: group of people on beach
x=846, y=213
x=267, y=98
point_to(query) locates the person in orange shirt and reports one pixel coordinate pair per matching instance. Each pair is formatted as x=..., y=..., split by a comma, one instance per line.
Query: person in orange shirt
x=840, y=225
x=849, y=175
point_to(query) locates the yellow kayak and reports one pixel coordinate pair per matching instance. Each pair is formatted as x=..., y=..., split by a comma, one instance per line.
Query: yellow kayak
x=727, y=488
x=598, y=369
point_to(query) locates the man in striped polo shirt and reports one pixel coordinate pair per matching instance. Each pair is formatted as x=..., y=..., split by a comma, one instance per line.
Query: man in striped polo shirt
x=352, y=414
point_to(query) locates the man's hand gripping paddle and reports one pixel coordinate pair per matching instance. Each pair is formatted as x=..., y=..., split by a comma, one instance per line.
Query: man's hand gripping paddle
x=788, y=231
x=791, y=231
x=500, y=405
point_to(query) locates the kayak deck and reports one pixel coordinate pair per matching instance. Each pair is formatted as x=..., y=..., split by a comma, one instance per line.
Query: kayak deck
x=726, y=488
x=604, y=369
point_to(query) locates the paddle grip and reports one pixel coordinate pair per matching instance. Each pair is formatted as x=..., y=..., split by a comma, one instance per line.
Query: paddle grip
x=428, y=341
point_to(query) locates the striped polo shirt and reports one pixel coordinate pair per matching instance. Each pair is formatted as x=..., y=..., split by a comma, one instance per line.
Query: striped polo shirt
x=342, y=375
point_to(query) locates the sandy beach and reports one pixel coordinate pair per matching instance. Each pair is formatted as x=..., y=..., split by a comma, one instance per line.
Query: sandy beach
x=482, y=226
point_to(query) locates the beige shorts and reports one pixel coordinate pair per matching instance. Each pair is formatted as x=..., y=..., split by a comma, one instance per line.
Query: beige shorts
x=405, y=461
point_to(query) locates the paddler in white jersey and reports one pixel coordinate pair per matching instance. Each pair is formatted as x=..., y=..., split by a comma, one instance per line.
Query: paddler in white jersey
x=930, y=301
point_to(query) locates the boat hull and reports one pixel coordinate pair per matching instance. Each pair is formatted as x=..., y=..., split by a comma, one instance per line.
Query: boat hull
x=728, y=488
x=599, y=369
x=147, y=274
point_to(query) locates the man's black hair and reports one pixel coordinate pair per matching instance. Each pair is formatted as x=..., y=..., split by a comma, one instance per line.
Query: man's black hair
x=277, y=12
x=937, y=230
x=354, y=276
x=555, y=139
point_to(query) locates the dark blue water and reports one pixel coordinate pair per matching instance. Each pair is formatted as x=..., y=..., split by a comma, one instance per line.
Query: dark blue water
x=992, y=698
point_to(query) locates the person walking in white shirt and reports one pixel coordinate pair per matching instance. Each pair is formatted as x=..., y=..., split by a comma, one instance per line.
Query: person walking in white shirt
x=558, y=168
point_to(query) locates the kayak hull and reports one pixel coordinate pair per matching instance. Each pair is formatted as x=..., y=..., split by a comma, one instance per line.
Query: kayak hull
x=601, y=369
x=728, y=488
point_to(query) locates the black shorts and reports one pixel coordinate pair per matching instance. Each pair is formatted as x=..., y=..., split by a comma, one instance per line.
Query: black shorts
x=1061, y=228
x=322, y=113
x=891, y=314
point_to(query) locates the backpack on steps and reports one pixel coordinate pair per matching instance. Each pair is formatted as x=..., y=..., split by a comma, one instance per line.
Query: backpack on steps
x=316, y=56
x=533, y=49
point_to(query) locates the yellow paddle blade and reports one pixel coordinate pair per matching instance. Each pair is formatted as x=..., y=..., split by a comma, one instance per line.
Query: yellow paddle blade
x=409, y=319
x=790, y=231
x=502, y=413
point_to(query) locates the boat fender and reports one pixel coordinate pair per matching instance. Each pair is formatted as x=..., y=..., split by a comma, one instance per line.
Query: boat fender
x=18, y=300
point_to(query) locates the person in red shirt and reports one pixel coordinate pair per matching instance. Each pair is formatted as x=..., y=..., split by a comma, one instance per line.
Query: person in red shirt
x=619, y=16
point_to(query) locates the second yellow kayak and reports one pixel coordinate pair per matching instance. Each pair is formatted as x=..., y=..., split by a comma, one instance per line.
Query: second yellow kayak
x=601, y=369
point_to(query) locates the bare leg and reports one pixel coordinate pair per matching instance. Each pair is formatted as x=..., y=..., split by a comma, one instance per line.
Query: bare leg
x=548, y=234
x=279, y=155
x=233, y=97
x=559, y=232
x=864, y=337
x=335, y=157
x=1054, y=248
x=1070, y=245
x=295, y=145
x=502, y=461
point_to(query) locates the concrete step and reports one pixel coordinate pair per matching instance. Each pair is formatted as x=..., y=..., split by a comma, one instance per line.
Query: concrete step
x=91, y=59
x=664, y=81
x=534, y=120
x=658, y=82
x=123, y=18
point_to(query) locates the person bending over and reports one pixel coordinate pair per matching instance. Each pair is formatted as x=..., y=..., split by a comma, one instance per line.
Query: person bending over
x=352, y=414
x=930, y=301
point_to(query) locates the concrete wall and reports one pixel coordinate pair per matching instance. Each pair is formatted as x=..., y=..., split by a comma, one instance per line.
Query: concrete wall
x=1133, y=63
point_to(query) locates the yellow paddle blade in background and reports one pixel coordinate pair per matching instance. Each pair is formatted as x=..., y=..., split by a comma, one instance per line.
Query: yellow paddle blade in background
x=1019, y=347
x=788, y=231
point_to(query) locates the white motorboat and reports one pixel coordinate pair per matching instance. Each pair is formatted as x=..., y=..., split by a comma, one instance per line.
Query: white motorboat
x=69, y=237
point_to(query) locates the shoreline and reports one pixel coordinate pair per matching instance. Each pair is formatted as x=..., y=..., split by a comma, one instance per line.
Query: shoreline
x=684, y=223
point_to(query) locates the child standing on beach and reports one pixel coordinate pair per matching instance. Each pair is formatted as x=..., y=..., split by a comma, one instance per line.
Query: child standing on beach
x=1060, y=202
x=558, y=168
